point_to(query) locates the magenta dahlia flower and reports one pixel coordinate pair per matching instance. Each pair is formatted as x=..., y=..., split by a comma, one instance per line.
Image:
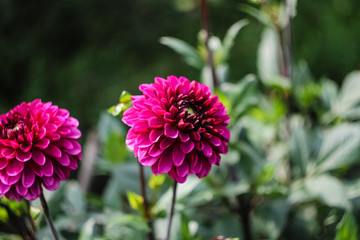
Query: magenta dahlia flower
x=38, y=146
x=177, y=127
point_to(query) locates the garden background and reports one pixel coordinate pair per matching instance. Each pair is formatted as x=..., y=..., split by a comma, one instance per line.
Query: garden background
x=82, y=54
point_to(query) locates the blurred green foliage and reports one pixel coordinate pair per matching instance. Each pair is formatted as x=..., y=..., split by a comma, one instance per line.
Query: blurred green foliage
x=292, y=171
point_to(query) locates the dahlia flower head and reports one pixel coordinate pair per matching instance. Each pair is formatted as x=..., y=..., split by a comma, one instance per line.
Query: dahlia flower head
x=38, y=147
x=177, y=127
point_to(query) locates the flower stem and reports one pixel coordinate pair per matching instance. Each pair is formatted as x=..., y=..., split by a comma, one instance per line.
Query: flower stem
x=206, y=26
x=171, y=211
x=150, y=234
x=32, y=223
x=48, y=216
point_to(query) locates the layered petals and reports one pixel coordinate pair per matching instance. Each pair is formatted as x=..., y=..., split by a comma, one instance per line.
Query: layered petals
x=38, y=147
x=177, y=127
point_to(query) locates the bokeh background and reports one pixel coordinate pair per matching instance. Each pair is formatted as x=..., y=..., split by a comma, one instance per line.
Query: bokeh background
x=80, y=54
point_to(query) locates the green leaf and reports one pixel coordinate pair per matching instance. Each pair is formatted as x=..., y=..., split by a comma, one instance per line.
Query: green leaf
x=267, y=63
x=340, y=147
x=230, y=36
x=156, y=181
x=136, y=201
x=328, y=190
x=349, y=95
x=299, y=151
x=347, y=229
x=189, y=53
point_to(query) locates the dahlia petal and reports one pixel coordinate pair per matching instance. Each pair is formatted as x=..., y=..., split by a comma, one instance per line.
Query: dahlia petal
x=207, y=150
x=75, y=134
x=41, y=133
x=183, y=169
x=76, y=149
x=170, y=132
x=195, y=136
x=64, y=160
x=214, y=141
x=195, y=165
x=21, y=189
x=155, y=150
x=47, y=168
x=156, y=122
x=155, y=168
x=155, y=135
x=60, y=172
x=178, y=156
x=35, y=168
x=25, y=147
x=38, y=157
x=205, y=169
x=71, y=122
x=54, y=186
x=181, y=179
x=73, y=163
x=143, y=140
x=22, y=156
x=3, y=163
x=58, y=120
x=63, y=113
x=42, y=144
x=165, y=162
x=33, y=192
x=50, y=128
x=28, y=177
x=8, y=153
x=54, y=137
x=14, y=168
x=11, y=194
x=48, y=180
x=166, y=142
x=187, y=147
x=184, y=137
x=4, y=188
x=145, y=114
x=65, y=143
x=199, y=146
x=9, y=180
x=53, y=151
x=148, y=161
x=213, y=158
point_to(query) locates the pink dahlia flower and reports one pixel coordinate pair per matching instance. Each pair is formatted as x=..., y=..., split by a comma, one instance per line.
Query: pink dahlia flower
x=38, y=146
x=177, y=127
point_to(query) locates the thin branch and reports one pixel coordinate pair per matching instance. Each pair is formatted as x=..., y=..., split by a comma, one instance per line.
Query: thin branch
x=170, y=217
x=206, y=26
x=48, y=216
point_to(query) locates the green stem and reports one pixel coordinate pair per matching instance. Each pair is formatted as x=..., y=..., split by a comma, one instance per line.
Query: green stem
x=150, y=234
x=170, y=217
x=48, y=216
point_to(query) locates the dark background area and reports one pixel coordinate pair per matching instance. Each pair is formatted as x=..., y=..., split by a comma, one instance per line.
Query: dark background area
x=80, y=54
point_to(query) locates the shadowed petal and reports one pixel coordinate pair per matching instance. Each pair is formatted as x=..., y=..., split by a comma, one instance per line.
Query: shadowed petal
x=170, y=132
x=22, y=156
x=165, y=162
x=38, y=157
x=187, y=147
x=14, y=168
x=28, y=178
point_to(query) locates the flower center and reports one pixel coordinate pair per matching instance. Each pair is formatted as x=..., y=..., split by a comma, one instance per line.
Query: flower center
x=13, y=128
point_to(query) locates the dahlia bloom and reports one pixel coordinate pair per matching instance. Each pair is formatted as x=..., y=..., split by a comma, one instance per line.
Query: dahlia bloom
x=38, y=146
x=177, y=127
